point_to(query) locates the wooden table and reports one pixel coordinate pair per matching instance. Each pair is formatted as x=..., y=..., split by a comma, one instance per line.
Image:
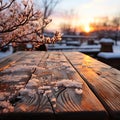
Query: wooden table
x=30, y=87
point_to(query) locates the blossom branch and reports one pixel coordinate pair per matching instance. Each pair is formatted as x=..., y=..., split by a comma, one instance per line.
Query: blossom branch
x=6, y=5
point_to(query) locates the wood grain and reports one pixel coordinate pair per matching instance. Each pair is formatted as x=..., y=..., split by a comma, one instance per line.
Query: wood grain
x=8, y=61
x=68, y=103
x=34, y=101
x=101, y=78
x=15, y=77
x=45, y=69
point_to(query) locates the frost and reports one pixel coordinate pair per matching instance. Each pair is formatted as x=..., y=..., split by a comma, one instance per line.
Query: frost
x=18, y=86
x=3, y=95
x=69, y=83
x=27, y=91
x=53, y=83
x=20, y=67
x=47, y=92
x=56, y=88
x=24, y=91
x=34, y=76
x=32, y=93
x=39, y=70
x=54, y=105
x=53, y=100
x=33, y=83
x=6, y=106
x=78, y=91
x=35, y=80
x=13, y=78
x=44, y=87
x=40, y=91
x=48, y=89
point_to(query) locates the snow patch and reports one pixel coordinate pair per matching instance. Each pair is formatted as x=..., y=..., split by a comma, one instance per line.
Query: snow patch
x=53, y=100
x=109, y=55
x=69, y=83
x=105, y=40
x=78, y=91
x=44, y=88
x=3, y=95
x=26, y=91
x=29, y=45
x=13, y=78
x=6, y=106
x=7, y=53
x=32, y=84
x=47, y=92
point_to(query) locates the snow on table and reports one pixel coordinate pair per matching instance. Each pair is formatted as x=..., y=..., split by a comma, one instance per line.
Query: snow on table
x=54, y=89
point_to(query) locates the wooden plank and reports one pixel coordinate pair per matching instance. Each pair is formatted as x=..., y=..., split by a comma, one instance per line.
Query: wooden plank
x=68, y=104
x=40, y=98
x=101, y=78
x=33, y=100
x=36, y=102
x=8, y=61
x=15, y=77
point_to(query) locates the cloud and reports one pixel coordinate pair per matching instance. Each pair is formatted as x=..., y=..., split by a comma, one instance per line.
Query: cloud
x=99, y=8
x=86, y=10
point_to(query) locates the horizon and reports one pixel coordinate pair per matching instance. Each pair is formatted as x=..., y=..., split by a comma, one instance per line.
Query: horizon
x=80, y=13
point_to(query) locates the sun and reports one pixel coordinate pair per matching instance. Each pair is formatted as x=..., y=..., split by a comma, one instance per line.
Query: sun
x=87, y=28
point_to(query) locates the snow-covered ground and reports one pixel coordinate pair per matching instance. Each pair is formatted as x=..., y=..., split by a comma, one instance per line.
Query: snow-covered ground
x=7, y=53
x=109, y=55
x=84, y=47
x=65, y=47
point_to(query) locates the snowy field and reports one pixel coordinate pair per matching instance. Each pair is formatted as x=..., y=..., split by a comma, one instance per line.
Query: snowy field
x=84, y=47
x=7, y=53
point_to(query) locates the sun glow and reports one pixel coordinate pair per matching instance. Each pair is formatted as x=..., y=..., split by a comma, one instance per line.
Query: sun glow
x=80, y=25
x=87, y=28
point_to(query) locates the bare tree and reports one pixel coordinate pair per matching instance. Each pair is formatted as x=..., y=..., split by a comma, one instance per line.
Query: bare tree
x=65, y=28
x=116, y=25
x=48, y=7
x=68, y=26
x=6, y=5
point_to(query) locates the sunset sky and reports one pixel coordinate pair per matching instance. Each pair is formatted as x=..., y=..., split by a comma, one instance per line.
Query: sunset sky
x=82, y=12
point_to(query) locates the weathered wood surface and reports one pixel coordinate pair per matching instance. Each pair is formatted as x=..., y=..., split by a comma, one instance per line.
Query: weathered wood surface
x=60, y=101
x=29, y=85
x=70, y=105
x=16, y=75
x=103, y=80
x=7, y=62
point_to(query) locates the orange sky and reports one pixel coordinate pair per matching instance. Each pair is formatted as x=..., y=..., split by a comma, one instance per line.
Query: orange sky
x=79, y=24
x=83, y=12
